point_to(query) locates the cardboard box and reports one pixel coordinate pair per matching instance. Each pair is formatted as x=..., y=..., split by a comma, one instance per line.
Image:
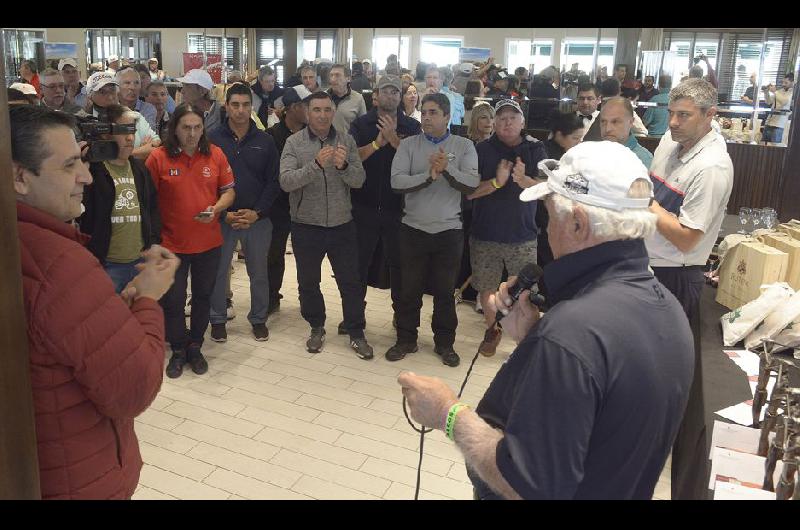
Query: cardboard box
x=746, y=268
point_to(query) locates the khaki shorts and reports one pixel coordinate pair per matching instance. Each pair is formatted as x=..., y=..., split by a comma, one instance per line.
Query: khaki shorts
x=488, y=259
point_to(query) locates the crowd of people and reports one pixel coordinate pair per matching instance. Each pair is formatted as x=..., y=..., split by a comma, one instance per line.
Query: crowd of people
x=251, y=163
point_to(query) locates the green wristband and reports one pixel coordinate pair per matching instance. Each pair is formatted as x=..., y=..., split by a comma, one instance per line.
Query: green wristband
x=450, y=425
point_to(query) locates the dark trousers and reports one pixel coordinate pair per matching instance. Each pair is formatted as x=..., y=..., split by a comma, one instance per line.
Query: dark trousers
x=276, y=258
x=425, y=256
x=690, y=451
x=375, y=226
x=204, y=273
x=310, y=245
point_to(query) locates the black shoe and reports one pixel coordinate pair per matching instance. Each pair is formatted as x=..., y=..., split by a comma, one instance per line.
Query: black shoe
x=219, y=333
x=362, y=348
x=341, y=329
x=399, y=351
x=448, y=355
x=260, y=332
x=176, y=362
x=316, y=340
x=274, y=307
x=195, y=358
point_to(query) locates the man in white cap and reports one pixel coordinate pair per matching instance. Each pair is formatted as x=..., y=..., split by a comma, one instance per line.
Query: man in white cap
x=76, y=91
x=197, y=90
x=28, y=90
x=103, y=90
x=589, y=402
x=113, y=64
x=155, y=73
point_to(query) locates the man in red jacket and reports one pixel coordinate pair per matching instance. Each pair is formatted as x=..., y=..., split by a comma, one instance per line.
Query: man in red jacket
x=96, y=358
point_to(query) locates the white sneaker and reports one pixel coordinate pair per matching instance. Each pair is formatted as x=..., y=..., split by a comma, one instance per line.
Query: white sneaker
x=478, y=308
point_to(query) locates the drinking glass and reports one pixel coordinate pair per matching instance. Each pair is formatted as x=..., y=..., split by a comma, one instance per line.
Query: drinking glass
x=756, y=217
x=769, y=217
x=744, y=218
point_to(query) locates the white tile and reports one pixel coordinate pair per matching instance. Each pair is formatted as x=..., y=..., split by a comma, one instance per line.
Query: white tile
x=165, y=439
x=340, y=475
x=300, y=444
x=250, y=488
x=147, y=494
x=160, y=419
x=360, y=375
x=245, y=465
x=198, y=399
x=393, y=393
x=160, y=402
x=663, y=489
x=209, y=387
x=257, y=374
x=349, y=411
x=401, y=492
x=395, y=454
x=322, y=489
x=213, y=419
x=325, y=391
x=227, y=440
x=292, y=425
x=308, y=375
x=182, y=465
x=279, y=406
x=178, y=486
x=272, y=390
x=448, y=487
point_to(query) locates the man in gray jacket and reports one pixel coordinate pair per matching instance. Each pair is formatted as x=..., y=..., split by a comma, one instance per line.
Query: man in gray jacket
x=434, y=170
x=319, y=165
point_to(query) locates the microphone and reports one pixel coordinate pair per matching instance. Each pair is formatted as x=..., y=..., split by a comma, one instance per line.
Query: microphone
x=528, y=276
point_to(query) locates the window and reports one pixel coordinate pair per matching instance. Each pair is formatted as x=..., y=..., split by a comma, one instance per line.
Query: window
x=582, y=52
x=533, y=55
x=213, y=45
x=20, y=45
x=440, y=50
x=383, y=47
x=269, y=49
x=101, y=44
x=318, y=43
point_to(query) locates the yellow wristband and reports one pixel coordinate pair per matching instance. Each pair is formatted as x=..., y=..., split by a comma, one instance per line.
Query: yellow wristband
x=375, y=145
x=495, y=184
x=452, y=414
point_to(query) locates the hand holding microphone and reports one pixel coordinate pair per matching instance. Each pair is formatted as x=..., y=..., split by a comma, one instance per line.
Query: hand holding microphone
x=513, y=303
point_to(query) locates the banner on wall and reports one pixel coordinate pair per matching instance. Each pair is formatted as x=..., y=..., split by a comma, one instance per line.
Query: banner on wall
x=473, y=55
x=192, y=61
x=60, y=50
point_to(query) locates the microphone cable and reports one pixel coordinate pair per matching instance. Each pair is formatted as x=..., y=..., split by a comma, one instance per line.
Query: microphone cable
x=526, y=278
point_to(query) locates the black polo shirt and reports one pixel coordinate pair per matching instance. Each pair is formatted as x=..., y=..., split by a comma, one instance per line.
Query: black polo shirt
x=591, y=400
x=377, y=189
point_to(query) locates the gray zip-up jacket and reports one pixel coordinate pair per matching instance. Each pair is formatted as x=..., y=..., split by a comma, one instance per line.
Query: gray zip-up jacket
x=319, y=196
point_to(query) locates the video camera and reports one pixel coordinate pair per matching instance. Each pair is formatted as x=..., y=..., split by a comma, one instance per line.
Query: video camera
x=92, y=129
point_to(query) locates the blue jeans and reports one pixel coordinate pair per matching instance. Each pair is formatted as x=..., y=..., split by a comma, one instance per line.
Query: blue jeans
x=121, y=273
x=255, y=244
x=772, y=134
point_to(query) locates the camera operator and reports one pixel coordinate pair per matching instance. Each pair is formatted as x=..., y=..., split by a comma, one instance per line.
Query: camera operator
x=588, y=404
x=102, y=90
x=121, y=204
x=95, y=358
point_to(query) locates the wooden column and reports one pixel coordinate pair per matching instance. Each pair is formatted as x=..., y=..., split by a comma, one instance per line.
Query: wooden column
x=789, y=208
x=19, y=465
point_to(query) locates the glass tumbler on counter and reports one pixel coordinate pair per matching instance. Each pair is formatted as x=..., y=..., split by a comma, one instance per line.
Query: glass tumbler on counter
x=769, y=218
x=756, y=218
x=744, y=219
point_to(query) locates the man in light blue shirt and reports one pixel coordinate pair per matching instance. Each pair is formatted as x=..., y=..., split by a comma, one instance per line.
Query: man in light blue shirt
x=130, y=87
x=616, y=122
x=434, y=81
x=656, y=119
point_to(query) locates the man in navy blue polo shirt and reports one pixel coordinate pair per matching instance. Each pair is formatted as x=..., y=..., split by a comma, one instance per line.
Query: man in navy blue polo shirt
x=376, y=209
x=589, y=403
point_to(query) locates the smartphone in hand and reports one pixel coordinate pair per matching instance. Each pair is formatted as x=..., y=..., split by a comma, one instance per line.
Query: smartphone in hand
x=205, y=214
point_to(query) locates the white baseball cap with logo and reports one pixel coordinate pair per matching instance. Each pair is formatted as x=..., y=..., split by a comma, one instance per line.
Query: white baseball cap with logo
x=98, y=80
x=198, y=77
x=68, y=61
x=594, y=173
x=25, y=88
x=112, y=59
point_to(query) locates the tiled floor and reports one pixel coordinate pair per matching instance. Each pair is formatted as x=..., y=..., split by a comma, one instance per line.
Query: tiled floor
x=272, y=421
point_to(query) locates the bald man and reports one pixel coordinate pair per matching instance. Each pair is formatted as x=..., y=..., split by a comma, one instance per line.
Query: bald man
x=616, y=122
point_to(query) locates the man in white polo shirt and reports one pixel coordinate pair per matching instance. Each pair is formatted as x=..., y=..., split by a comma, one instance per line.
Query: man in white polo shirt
x=692, y=176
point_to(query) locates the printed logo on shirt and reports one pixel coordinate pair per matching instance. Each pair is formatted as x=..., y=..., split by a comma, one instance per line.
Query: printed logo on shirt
x=174, y=173
x=206, y=171
x=126, y=201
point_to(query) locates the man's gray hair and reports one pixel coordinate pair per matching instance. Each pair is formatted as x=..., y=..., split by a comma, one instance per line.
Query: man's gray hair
x=612, y=225
x=700, y=91
x=264, y=71
x=50, y=71
x=125, y=71
x=619, y=100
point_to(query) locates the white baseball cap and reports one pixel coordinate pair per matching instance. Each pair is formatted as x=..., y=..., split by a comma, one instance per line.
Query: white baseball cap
x=112, y=58
x=595, y=173
x=198, y=77
x=67, y=62
x=25, y=88
x=98, y=80
x=466, y=68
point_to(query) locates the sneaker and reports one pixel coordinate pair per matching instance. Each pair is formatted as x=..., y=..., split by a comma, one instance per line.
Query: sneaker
x=176, y=362
x=230, y=312
x=399, y=351
x=361, y=347
x=188, y=309
x=260, y=332
x=490, y=341
x=341, y=330
x=316, y=340
x=448, y=355
x=219, y=333
x=195, y=358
